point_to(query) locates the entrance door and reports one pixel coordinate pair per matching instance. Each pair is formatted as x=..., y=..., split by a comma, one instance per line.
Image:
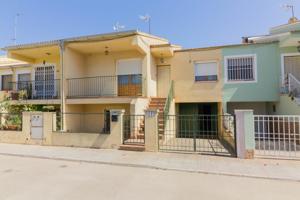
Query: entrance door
x=292, y=65
x=163, y=81
x=44, y=85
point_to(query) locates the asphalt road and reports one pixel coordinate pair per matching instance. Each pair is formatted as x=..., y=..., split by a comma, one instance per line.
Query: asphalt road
x=34, y=178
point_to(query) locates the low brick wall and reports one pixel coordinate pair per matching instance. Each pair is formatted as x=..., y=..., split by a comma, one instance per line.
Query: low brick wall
x=90, y=140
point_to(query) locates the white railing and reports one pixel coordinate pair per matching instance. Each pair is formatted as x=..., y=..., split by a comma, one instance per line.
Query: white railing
x=228, y=123
x=293, y=85
x=277, y=136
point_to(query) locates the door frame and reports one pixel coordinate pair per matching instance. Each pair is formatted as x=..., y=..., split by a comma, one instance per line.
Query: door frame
x=157, y=66
x=282, y=56
x=45, y=65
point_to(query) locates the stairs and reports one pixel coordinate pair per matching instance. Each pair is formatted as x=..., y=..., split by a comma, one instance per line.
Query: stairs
x=155, y=103
x=159, y=103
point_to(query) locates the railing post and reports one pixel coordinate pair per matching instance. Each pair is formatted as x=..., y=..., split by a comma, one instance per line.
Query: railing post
x=245, y=140
x=151, y=130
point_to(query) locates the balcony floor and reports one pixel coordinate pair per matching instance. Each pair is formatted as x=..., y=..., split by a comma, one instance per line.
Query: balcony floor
x=37, y=101
x=101, y=100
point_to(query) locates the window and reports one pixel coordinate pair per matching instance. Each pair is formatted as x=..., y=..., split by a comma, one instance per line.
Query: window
x=23, y=81
x=241, y=68
x=130, y=79
x=6, y=82
x=206, y=71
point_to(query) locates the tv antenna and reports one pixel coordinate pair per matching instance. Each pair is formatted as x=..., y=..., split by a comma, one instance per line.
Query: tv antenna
x=118, y=27
x=16, y=18
x=289, y=7
x=147, y=19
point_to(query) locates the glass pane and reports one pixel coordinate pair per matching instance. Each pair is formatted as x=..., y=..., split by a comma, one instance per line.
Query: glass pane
x=6, y=82
x=23, y=81
x=123, y=79
x=206, y=78
x=136, y=79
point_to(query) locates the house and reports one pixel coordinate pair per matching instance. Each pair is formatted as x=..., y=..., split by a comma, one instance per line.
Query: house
x=262, y=73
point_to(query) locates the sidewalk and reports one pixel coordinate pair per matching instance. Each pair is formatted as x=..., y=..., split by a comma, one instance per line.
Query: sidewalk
x=257, y=168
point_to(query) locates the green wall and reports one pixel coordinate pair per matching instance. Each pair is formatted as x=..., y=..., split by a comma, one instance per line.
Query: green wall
x=266, y=89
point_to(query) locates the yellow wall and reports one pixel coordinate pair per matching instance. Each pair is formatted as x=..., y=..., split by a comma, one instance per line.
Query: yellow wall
x=79, y=117
x=182, y=72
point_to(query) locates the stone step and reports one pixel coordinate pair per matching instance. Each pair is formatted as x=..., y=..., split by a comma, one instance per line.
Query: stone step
x=132, y=147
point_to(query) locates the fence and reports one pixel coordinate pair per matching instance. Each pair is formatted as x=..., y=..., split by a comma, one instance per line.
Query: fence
x=277, y=136
x=11, y=121
x=133, y=129
x=199, y=133
x=83, y=122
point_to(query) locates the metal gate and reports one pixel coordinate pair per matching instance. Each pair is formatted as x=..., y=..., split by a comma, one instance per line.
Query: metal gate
x=134, y=129
x=208, y=134
x=44, y=84
x=277, y=136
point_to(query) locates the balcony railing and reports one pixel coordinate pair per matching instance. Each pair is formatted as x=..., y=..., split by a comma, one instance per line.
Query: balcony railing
x=105, y=86
x=42, y=89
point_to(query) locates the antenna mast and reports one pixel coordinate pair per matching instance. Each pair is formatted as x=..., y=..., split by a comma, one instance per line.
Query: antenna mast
x=147, y=18
x=15, y=27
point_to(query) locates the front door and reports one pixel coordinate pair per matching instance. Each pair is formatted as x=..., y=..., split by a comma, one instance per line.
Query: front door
x=163, y=81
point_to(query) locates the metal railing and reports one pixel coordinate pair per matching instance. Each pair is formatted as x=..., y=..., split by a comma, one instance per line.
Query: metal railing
x=277, y=136
x=110, y=86
x=42, y=89
x=210, y=134
x=83, y=123
x=169, y=100
x=11, y=121
x=134, y=129
x=293, y=86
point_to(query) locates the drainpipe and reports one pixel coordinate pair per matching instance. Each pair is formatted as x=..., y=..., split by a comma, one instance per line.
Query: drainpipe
x=62, y=92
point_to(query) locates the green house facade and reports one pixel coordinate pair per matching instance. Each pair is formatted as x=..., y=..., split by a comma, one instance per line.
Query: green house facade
x=259, y=74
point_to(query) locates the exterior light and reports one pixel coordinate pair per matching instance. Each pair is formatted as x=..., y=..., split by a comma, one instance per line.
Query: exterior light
x=162, y=60
x=106, y=52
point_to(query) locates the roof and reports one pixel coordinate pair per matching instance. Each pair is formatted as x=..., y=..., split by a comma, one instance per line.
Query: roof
x=220, y=47
x=96, y=37
x=9, y=62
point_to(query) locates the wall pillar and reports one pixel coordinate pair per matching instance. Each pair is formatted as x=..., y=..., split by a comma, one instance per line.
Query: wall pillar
x=48, y=125
x=151, y=130
x=116, y=127
x=245, y=140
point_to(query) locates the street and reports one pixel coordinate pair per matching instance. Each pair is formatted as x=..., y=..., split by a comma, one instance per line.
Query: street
x=38, y=178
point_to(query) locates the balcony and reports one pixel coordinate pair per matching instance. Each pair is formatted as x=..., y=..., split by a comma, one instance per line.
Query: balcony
x=35, y=90
x=105, y=86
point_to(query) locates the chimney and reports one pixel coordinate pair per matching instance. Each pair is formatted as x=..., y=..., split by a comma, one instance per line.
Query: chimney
x=293, y=20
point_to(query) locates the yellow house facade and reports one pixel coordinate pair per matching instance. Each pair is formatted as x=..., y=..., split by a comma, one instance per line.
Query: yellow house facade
x=123, y=70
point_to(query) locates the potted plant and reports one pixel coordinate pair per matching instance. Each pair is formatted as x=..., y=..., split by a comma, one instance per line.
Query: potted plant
x=13, y=122
x=14, y=95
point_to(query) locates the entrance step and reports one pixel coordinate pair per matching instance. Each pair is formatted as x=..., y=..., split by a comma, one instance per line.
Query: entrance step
x=132, y=147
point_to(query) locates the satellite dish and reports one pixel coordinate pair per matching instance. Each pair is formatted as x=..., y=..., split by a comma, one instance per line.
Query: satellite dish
x=145, y=18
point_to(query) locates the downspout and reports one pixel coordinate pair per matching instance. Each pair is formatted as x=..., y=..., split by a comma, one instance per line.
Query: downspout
x=62, y=92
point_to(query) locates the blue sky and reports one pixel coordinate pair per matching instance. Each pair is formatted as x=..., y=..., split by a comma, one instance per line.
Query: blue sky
x=190, y=23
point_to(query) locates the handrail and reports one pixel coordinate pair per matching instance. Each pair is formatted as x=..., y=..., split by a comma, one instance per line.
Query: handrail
x=169, y=100
x=293, y=85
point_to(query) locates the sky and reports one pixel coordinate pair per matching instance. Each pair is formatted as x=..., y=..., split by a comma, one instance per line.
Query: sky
x=189, y=23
